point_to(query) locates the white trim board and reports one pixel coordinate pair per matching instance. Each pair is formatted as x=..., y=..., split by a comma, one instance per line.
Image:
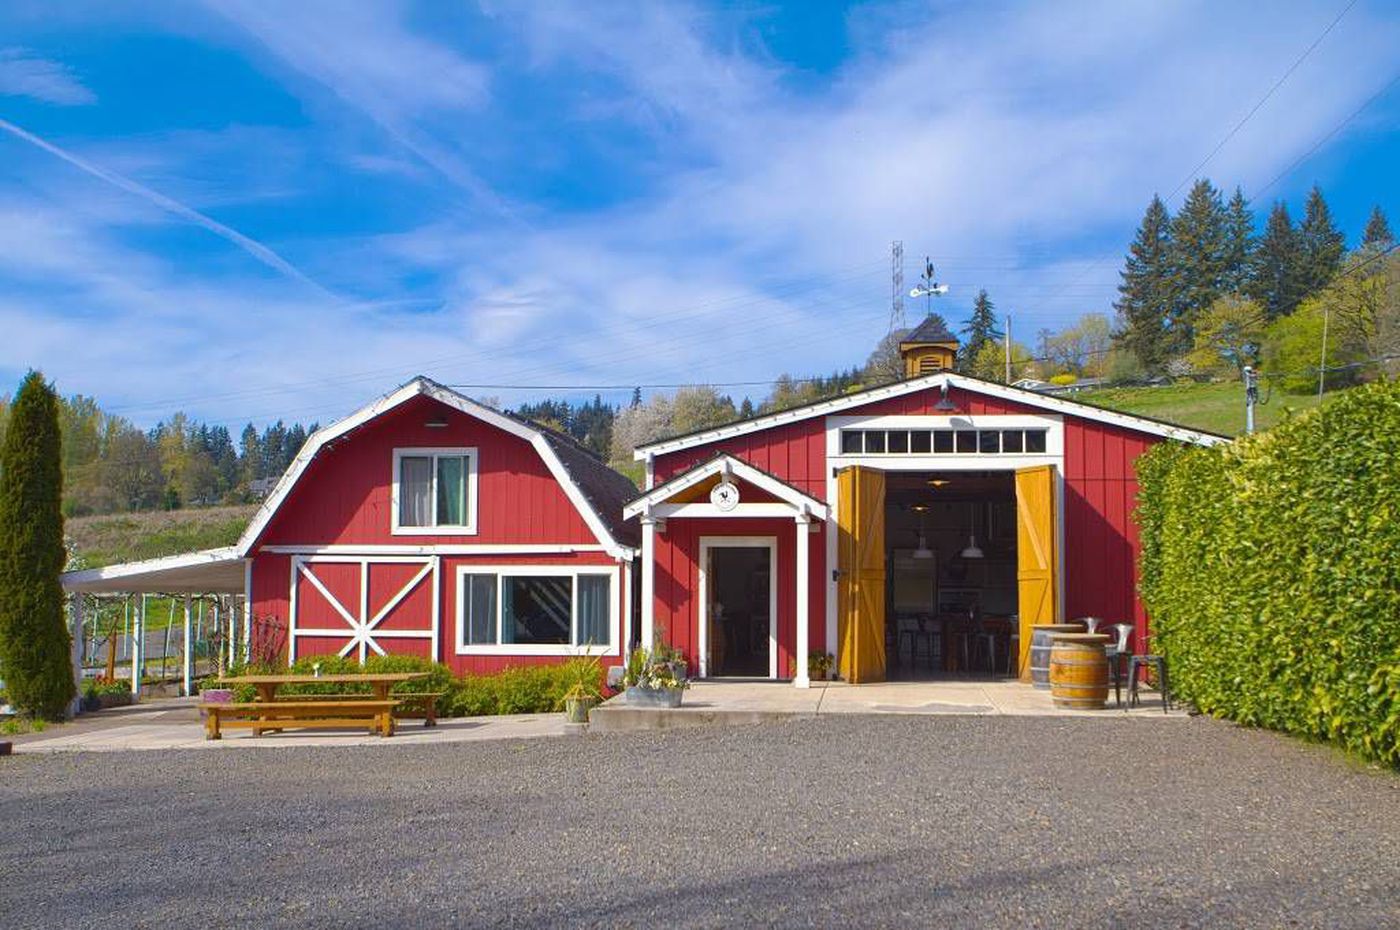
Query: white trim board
x=924, y=383
x=792, y=499
x=703, y=613
x=614, y=648
x=423, y=387
x=523, y=549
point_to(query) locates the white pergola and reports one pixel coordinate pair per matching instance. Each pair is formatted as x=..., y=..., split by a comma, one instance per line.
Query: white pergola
x=209, y=572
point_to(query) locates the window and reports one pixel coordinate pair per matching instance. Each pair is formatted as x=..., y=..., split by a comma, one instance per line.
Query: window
x=1011, y=440
x=874, y=440
x=1035, y=440
x=919, y=442
x=966, y=440
x=942, y=440
x=434, y=491
x=899, y=440
x=852, y=442
x=532, y=610
x=1016, y=441
x=989, y=441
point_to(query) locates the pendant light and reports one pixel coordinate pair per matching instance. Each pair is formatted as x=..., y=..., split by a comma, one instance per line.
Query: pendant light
x=923, y=552
x=972, y=551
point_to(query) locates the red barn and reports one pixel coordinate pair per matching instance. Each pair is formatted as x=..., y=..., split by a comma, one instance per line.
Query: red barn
x=919, y=525
x=429, y=524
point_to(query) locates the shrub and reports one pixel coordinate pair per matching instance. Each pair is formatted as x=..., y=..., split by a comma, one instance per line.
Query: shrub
x=1271, y=571
x=530, y=689
x=35, y=658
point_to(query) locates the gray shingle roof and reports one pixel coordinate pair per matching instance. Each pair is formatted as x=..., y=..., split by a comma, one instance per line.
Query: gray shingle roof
x=932, y=329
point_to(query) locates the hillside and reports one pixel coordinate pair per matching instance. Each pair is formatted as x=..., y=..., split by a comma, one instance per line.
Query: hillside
x=1215, y=408
x=127, y=537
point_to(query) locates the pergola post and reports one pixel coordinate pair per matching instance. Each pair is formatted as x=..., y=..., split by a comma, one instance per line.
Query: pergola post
x=804, y=619
x=138, y=646
x=187, y=655
x=75, y=609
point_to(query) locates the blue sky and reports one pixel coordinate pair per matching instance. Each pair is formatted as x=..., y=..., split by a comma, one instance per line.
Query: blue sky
x=254, y=210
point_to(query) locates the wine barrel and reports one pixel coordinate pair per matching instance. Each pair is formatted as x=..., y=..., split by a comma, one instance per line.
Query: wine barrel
x=1040, y=649
x=1079, y=670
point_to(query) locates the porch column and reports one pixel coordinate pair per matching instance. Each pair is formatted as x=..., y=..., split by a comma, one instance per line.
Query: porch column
x=648, y=581
x=804, y=619
x=187, y=656
x=138, y=646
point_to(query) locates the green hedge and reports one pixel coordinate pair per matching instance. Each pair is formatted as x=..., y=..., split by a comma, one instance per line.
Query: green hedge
x=1271, y=573
x=533, y=689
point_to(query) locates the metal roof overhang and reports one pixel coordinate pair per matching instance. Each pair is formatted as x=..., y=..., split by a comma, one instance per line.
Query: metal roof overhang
x=211, y=571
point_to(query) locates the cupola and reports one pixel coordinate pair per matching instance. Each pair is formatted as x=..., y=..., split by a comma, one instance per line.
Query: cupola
x=929, y=348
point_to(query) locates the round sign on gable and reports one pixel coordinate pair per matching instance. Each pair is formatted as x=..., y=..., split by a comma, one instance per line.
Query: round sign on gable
x=725, y=496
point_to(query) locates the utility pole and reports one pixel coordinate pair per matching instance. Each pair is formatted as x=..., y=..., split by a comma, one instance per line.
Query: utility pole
x=1008, y=348
x=1251, y=396
x=1322, y=364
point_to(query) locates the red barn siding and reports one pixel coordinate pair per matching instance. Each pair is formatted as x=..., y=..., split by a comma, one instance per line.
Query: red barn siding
x=343, y=498
x=1101, y=544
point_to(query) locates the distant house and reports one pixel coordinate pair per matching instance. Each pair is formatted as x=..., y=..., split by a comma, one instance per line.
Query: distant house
x=1049, y=387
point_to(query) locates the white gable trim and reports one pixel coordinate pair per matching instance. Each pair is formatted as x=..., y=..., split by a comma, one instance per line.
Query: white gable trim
x=422, y=386
x=728, y=465
x=923, y=383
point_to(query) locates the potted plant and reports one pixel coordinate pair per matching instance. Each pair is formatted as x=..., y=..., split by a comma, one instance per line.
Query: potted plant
x=651, y=679
x=819, y=665
x=583, y=675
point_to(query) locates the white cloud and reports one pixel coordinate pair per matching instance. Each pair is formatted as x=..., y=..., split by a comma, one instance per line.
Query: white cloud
x=24, y=74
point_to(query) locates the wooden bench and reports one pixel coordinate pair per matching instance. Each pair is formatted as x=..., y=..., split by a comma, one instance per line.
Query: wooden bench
x=412, y=705
x=375, y=716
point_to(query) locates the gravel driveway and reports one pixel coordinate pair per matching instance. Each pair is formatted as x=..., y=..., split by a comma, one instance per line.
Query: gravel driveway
x=859, y=821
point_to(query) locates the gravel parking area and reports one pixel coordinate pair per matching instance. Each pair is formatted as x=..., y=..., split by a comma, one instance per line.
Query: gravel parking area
x=861, y=821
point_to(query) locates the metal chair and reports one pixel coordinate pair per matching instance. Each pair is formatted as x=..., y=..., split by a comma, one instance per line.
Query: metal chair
x=1013, y=646
x=1091, y=624
x=1121, y=646
x=1159, y=663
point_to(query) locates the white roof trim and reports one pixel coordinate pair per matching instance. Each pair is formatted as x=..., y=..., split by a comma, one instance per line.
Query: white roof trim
x=416, y=387
x=727, y=464
x=925, y=382
x=88, y=578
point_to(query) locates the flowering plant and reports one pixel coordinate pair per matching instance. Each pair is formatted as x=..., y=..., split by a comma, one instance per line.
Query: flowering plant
x=655, y=669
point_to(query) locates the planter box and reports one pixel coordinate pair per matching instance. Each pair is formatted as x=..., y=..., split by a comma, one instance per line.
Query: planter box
x=214, y=696
x=654, y=697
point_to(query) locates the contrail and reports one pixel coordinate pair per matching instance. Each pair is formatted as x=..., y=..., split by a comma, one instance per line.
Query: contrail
x=254, y=248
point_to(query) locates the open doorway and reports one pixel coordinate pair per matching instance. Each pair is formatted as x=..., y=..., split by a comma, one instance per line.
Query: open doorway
x=739, y=607
x=951, y=557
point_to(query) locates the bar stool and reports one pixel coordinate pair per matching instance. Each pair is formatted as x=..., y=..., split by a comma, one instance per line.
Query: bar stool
x=1140, y=662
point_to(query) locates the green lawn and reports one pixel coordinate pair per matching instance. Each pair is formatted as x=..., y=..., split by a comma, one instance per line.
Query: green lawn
x=1215, y=408
x=129, y=537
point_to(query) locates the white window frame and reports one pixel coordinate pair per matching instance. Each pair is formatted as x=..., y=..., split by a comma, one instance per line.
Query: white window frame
x=452, y=529
x=463, y=648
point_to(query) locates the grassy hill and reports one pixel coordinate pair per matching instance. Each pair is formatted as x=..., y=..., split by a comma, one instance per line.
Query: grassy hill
x=1215, y=408
x=127, y=537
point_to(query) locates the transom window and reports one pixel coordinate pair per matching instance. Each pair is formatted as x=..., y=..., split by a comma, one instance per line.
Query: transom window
x=529, y=609
x=434, y=491
x=943, y=441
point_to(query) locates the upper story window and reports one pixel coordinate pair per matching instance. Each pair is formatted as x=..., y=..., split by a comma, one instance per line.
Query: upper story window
x=434, y=491
x=943, y=441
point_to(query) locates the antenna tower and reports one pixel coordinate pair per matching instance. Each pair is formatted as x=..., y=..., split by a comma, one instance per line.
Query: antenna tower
x=897, y=290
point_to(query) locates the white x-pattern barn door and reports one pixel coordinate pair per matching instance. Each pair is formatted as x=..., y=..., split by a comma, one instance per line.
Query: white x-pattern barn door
x=362, y=627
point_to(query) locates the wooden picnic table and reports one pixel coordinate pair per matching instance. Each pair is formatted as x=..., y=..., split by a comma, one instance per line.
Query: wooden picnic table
x=379, y=682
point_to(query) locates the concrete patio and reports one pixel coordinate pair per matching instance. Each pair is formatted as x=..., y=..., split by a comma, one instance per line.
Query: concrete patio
x=740, y=702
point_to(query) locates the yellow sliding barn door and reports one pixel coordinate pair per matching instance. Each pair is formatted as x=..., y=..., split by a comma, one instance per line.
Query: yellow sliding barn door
x=1037, y=561
x=860, y=517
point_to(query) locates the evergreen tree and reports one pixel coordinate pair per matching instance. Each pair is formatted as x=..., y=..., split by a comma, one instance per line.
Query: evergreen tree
x=250, y=454
x=980, y=328
x=1145, y=289
x=1321, y=244
x=35, y=657
x=1198, y=263
x=1276, y=280
x=1377, y=235
x=1239, y=244
x=746, y=409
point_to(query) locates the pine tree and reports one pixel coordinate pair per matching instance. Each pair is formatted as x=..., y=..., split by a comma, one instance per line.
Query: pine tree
x=1321, y=244
x=1239, y=244
x=1198, y=263
x=1276, y=280
x=1378, y=235
x=35, y=657
x=980, y=328
x=1144, y=292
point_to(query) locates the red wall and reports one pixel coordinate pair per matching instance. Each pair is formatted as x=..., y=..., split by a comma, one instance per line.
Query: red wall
x=344, y=496
x=1101, y=541
x=344, y=499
